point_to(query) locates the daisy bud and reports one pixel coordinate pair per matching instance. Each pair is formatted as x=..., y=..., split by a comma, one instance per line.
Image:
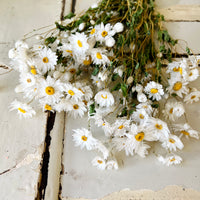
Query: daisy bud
x=38, y=37
x=130, y=80
x=141, y=97
x=92, y=22
x=159, y=55
x=110, y=42
x=67, y=76
x=81, y=26
x=12, y=53
x=56, y=74
x=133, y=89
x=139, y=88
x=95, y=5
x=118, y=27
x=22, y=44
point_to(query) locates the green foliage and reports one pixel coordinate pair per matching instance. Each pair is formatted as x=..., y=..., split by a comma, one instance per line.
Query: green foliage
x=96, y=70
x=69, y=16
x=92, y=109
x=50, y=40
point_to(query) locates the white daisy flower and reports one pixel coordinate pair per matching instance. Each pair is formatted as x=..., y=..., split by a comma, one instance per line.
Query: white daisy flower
x=103, y=75
x=192, y=97
x=85, y=89
x=50, y=90
x=121, y=126
x=141, y=97
x=154, y=90
x=99, y=162
x=158, y=128
x=62, y=105
x=186, y=129
x=112, y=164
x=192, y=74
x=47, y=107
x=107, y=128
x=172, y=143
x=79, y=44
x=97, y=82
x=32, y=66
x=139, y=88
x=99, y=57
x=84, y=139
x=139, y=116
x=23, y=109
x=173, y=110
x=66, y=48
x=178, y=87
x=146, y=106
x=47, y=60
x=118, y=27
x=76, y=109
x=27, y=79
x=104, y=98
x=103, y=32
x=72, y=92
x=124, y=144
x=170, y=160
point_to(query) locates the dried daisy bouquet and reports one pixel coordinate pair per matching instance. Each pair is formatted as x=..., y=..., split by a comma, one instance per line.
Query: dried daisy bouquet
x=108, y=63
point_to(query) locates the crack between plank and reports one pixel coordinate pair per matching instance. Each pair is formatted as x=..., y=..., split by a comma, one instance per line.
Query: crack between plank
x=46, y=155
x=62, y=166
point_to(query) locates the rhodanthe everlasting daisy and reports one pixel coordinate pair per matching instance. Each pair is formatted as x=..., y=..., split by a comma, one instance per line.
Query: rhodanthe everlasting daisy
x=186, y=130
x=192, y=74
x=121, y=126
x=173, y=110
x=99, y=56
x=50, y=90
x=99, y=162
x=140, y=116
x=192, y=97
x=79, y=44
x=172, y=143
x=154, y=90
x=104, y=98
x=84, y=139
x=47, y=60
x=170, y=160
x=23, y=110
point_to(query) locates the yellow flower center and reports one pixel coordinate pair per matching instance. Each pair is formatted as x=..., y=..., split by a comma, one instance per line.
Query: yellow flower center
x=50, y=90
x=141, y=116
x=172, y=140
x=87, y=61
x=121, y=127
x=145, y=106
x=84, y=138
x=190, y=74
x=103, y=124
x=97, y=81
x=72, y=71
x=173, y=159
x=68, y=51
x=33, y=71
x=193, y=97
x=45, y=60
x=92, y=31
x=154, y=90
x=178, y=69
x=70, y=92
x=75, y=107
x=79, y=43
x=21, y=110
x=177, y=86
x=28, y=80
x=104, y=97
x=104, y=33
x=140, y=136
x=47, y=107
x=185, y=132
x=159, y=126
x=98, y=55
x=100, y=161
x=171, y=111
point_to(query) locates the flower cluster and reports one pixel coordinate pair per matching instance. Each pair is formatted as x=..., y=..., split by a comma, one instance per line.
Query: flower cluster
x=97, y=64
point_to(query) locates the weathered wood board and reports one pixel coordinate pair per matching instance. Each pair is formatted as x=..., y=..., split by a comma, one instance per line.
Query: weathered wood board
x=22, y=141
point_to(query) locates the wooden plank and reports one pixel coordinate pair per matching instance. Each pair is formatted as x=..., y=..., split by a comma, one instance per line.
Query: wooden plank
x=22, y=141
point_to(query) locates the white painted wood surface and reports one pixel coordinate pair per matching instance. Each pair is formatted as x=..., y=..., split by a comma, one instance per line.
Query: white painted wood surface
x=22, y=141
